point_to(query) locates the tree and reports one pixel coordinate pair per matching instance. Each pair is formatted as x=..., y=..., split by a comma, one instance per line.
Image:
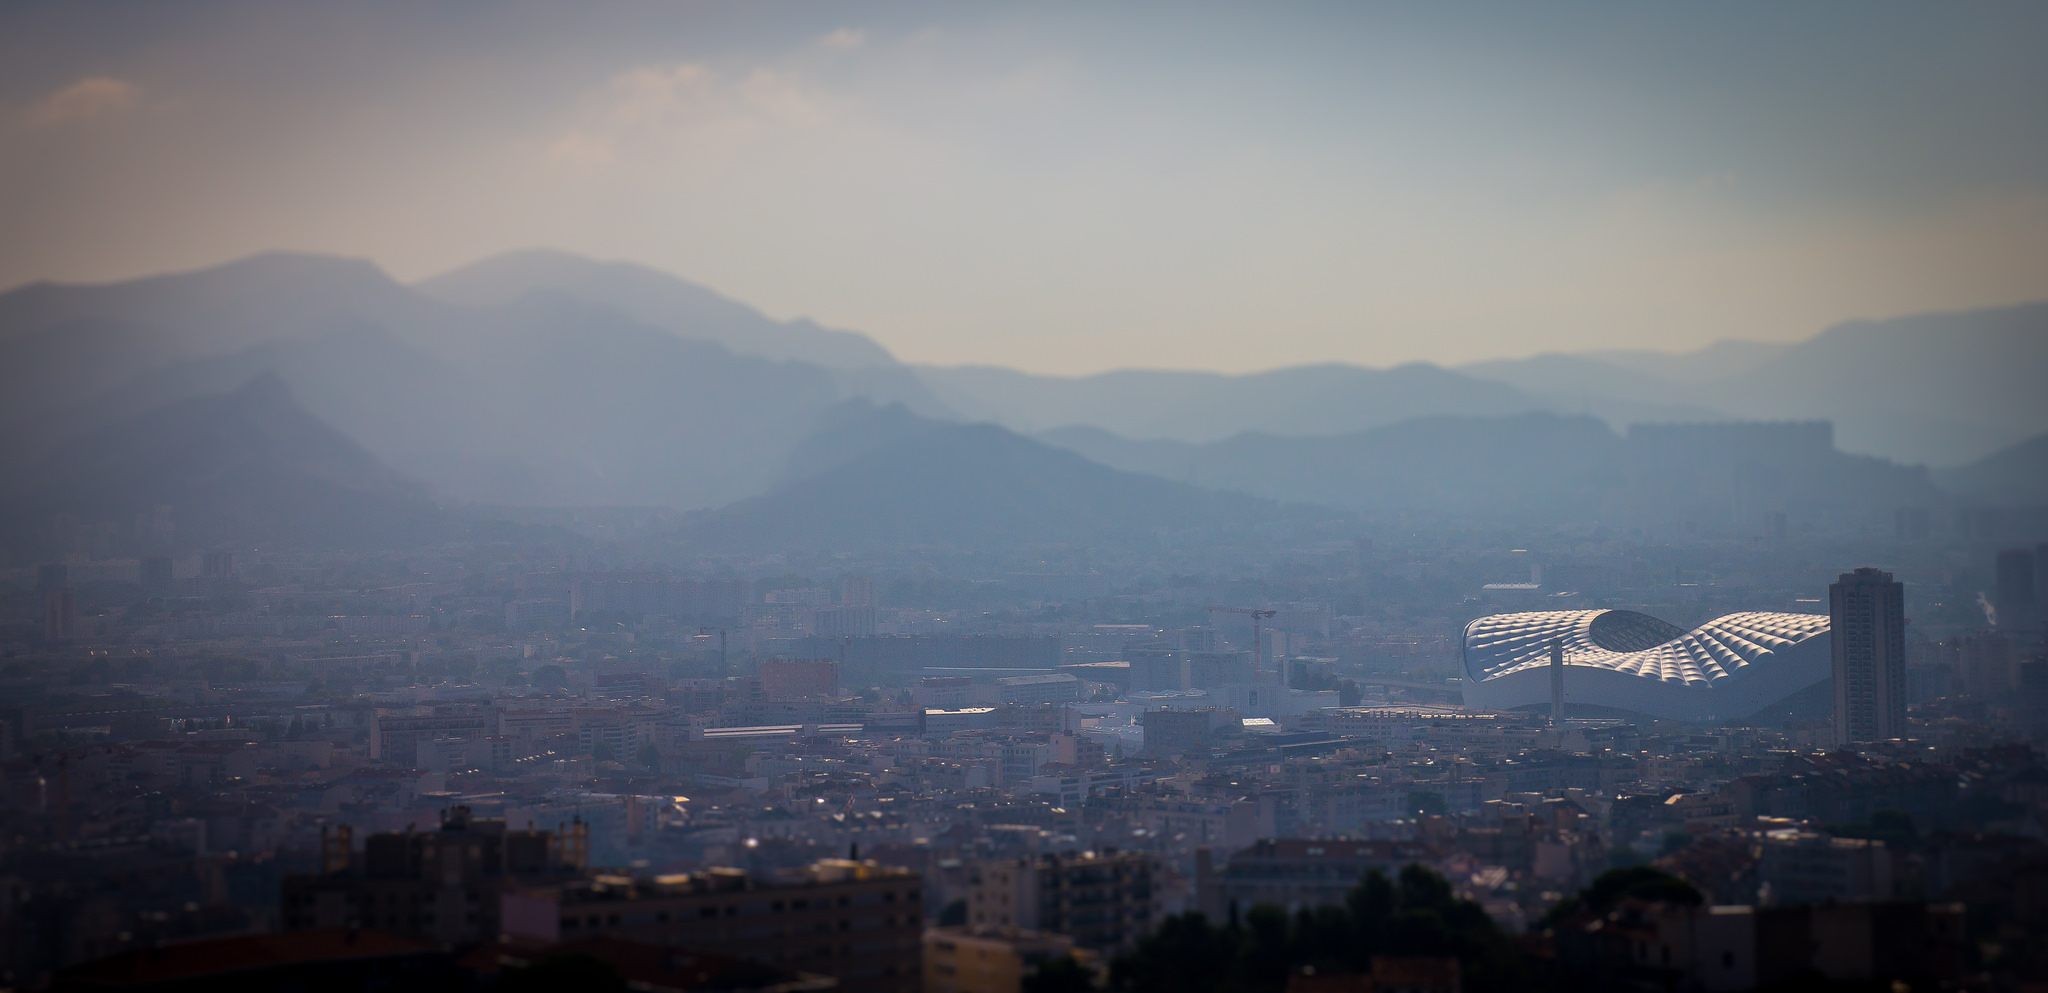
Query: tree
x=1426, y=802
x=550, y=677
x=649, y=757
x=1415, y=914
x=1615, y=885
x=1064, y=974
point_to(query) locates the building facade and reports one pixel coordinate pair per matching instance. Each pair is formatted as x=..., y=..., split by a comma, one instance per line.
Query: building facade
x=859, y=922
x=1102, y=900
x=441, y=885
x=961, y=960
x=1867, y=611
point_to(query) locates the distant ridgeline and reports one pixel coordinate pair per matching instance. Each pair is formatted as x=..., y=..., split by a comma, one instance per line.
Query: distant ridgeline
x=1758, y=441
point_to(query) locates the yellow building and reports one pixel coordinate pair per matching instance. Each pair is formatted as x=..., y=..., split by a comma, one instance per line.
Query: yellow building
x=960, y=960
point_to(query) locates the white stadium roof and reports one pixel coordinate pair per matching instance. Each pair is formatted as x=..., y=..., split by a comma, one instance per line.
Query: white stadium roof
x=1731, y=666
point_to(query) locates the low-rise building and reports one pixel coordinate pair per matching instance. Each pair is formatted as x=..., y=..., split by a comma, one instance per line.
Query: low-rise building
x=441, y=885
x=962, y=960
x=1103, y=900
x=859, y=922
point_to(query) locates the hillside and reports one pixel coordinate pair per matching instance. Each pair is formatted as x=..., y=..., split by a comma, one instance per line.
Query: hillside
x=248, y=466
x=1936, y=389
x=1541, y=470
x=657, y=299
x=975, y=487
x=2016, y=476
x=1200, y=406
x=547, y=399
x=1512, y=468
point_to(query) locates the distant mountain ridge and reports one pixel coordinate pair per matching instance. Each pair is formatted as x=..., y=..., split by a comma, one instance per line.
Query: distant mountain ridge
x=1937, y=389
x=2016, y=476
x=248, y=465
x=913, y=483
x=1205, y=406
x=657, y=299
x=540, y=379
x=1541, y=469
x=550, y=399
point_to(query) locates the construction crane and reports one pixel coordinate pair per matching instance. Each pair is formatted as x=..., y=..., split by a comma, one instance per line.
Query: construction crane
x=1258, y=616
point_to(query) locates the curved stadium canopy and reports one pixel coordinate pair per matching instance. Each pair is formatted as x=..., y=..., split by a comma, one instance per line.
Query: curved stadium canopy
x=1730, y=667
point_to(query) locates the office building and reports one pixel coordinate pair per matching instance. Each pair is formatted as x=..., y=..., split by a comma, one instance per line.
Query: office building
x=1867, y=612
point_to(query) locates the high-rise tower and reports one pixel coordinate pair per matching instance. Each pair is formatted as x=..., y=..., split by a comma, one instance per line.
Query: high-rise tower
x=1867, y=621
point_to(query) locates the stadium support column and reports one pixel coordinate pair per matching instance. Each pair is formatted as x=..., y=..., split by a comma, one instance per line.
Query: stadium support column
x=1557, y=683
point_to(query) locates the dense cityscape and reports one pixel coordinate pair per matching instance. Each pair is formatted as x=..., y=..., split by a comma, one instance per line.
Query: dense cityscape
x=682, y=496
x=870, y=774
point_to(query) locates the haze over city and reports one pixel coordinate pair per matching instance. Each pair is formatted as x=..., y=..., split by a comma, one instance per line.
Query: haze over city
x=1058, y=498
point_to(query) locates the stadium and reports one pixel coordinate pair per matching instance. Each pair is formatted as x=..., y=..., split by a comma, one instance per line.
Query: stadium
x=1627, y=662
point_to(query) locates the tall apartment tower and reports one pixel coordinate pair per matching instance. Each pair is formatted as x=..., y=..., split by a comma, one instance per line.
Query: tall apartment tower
x=1867, y=619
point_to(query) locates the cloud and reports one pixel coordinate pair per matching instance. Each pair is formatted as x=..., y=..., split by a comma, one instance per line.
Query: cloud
x=583, y=149
x=87, y=99
x=845, y=39
x=661, y=108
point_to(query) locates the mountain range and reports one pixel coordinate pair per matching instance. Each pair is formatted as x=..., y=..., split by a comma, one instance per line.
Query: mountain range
x=1541, y=469
x=546, y=398
x=1206, y=406
x=2016, y=476
x=886, y=478
x=1934, y=389
x=247, y=466
x=544, y=379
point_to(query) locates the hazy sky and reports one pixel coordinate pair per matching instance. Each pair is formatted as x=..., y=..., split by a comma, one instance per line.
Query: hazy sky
x=1072, y=188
